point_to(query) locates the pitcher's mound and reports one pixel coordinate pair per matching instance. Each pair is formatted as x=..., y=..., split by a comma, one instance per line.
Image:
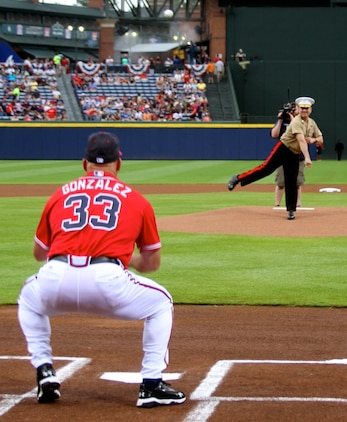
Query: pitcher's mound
x=261, y=221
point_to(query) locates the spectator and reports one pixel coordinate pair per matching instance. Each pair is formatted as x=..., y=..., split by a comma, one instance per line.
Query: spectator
x=16, y=92
x=240, y=56
x=177, y=115
x=177, y=76
x=51, y=111
x=27, y=117
x=159, y=83
x=168, y=63
x=147, y=115
x=147, y=63
x=201, y=86
x=176, y=61
x=18, y=109
x=192, y=51
x=10, y=109
x=2, y=110
x=65, y=64
x=157, y=64
x=186, y=76
x=109, y=62
x=219, y=69
x=210, y=71
x=217, y=57
x=77, y=80
x=151, y=66
x=57, y=63
x=206, y=117
x=92, y=114
x=124, y=59
x=339, y=147
x=138, y=115
x=11, y=77
x=34, y=86
x=28, y=66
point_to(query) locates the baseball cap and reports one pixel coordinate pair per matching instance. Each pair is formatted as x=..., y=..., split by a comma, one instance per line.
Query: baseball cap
x=305, y=102
x=102, y=148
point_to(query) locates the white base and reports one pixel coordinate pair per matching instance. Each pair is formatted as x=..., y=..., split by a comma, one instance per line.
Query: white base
x=134, y=377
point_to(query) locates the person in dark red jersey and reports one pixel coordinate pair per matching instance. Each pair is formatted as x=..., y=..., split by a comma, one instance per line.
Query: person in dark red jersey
x=87, y=234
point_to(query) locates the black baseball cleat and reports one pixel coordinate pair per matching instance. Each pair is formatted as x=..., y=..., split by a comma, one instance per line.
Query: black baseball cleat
x=233, y=182
x=161, y=395
x=291, y=215
x=47, y=384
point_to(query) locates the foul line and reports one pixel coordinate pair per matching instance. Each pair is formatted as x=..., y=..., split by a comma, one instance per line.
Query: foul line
x=7, y=401
x=207, y=403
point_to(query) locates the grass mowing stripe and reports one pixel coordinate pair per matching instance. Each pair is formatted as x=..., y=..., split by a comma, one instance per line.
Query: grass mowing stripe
x=240, y=270
x=176, y=204
x=161, y=171
x=203, y=268
x=37, y=172
x=180, y=171
x=211, y=269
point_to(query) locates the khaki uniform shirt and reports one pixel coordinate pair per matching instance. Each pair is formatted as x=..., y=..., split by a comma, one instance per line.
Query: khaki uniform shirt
x=296, y=126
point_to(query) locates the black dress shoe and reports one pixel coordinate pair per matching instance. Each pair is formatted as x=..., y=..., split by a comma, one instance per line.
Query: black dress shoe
x=291, y=215
x=233, y=182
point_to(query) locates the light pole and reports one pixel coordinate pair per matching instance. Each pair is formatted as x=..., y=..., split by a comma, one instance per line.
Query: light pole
x=76, y=31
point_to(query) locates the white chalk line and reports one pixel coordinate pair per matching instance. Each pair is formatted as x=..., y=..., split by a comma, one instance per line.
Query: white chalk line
x=279, y=399
x=298, y=208
x=8, y=401
x=207, y=403
x=212, y=380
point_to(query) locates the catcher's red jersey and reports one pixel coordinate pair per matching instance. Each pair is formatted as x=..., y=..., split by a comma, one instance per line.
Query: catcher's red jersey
x=97, y=215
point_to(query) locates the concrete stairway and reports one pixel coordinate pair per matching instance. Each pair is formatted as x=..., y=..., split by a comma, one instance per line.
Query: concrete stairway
x=68, y=96
x=222, y=100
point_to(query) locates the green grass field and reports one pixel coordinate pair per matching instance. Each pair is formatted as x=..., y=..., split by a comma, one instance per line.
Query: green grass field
x=160, y=171
x=197, y=268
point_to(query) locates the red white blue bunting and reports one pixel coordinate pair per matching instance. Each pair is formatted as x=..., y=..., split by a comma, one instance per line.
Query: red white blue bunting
x=197, y=69
x=89, y=69
x=137, y=69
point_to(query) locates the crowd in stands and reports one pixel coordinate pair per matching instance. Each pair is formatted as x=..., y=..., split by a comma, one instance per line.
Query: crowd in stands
x=177, y=96
x=30, y=92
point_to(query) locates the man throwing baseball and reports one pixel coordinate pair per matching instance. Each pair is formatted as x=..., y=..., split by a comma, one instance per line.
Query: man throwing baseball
x=301, y=132
x=87, y=234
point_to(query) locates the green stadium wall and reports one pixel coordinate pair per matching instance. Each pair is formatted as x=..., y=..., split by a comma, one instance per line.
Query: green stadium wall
x=293, y=51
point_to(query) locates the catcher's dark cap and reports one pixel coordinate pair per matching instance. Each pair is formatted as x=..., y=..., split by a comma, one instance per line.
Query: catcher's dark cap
x=102, y=148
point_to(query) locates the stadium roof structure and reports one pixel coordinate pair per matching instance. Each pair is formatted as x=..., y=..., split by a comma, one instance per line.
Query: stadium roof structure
x=153, y=47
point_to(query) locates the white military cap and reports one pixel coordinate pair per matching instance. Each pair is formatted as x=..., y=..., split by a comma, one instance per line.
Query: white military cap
x=305, y=102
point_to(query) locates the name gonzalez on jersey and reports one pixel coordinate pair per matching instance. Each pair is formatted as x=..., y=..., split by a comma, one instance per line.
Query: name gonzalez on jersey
x=107, y=184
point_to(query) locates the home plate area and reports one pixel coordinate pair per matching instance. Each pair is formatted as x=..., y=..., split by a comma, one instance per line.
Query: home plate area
x=281, y=381
x=312, y=377
x=228, y=383
x=234, y=363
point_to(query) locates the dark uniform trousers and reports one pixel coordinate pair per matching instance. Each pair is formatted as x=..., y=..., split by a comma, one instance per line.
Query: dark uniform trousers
x=279, y=156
